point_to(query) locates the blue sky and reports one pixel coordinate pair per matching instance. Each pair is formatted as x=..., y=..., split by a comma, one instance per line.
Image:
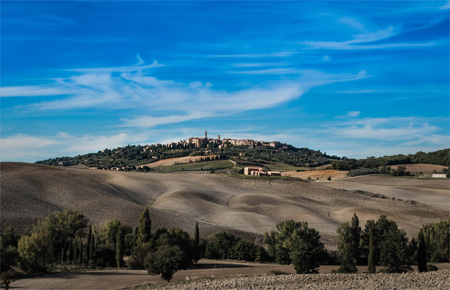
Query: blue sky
x=355, y=78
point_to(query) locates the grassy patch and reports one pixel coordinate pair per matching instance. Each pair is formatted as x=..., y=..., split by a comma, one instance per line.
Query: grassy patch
x=282, y=167
x=196, y=166
x=370, y=194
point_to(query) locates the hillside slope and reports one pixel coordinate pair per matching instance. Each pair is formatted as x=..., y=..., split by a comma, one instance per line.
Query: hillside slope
x=246, y=207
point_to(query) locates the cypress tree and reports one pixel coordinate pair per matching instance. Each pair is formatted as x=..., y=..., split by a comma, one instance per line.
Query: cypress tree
x=91, y=247
x=64, y=253
x=197, y=235
x=119, y=248
x=88, y=245
x=74, y=260
x=144, y=229
x=70, y=258
x=421, y=253
x=135, y=236
x=356, y=236
x=81, y=253
x=371, y=262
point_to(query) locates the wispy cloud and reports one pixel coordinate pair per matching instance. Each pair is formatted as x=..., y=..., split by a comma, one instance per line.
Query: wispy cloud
x=260, y=64
x=256, y=55
x=351, y=22
x=445, y=6
x=133, y=88
x=363, y=41
x=22, y=147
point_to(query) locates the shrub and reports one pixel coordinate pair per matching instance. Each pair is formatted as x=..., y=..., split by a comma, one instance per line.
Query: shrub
x=277, y=272
x=431, y=267
x=362, y=171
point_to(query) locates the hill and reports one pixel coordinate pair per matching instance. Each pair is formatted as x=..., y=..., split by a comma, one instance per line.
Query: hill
x=136, y=155
x=246, y=207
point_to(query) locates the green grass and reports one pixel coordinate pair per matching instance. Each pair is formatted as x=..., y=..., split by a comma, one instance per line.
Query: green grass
x=196, y=166
x=282, y=167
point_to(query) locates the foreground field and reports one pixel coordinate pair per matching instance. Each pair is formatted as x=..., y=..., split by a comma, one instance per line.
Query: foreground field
x=207, y=274
x=425, y=281
x=245, y=207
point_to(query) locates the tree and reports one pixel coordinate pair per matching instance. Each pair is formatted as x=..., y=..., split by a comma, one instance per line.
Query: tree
x=8, y=249
x=437, y=241
x=390, y=245
x=166, y=261
x=277, y=241
x=138, y=255
x=393, y=247
x=88, y=245
x=144, y=228
x=119, y=248
x=221, y=246
x=348, y=245
x=197, y=234
x=36, y=250
x=306, y=249
x=297, y=243
x=371, y=263
x=67, y=223
x=421, y=253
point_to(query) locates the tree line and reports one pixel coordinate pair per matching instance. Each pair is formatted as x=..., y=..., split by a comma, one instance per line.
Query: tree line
x=64, y=238
x=440, y=157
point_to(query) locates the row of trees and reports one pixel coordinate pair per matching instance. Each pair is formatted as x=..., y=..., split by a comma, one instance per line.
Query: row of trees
x=64, y=238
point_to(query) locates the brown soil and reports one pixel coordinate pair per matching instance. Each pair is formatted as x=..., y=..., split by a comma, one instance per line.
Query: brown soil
x=386, y=180
x=119, y=279
x=246, y=207
x=314, y=174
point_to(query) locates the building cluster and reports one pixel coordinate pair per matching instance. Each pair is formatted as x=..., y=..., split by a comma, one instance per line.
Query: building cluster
x=201, y=142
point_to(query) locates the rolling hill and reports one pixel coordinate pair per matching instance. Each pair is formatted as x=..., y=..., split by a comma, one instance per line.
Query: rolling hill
x=246, y=207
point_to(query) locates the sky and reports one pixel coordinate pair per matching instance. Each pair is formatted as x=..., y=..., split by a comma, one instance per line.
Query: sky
x=349, y=78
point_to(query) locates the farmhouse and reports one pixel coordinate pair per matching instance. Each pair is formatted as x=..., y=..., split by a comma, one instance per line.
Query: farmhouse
x=439, y=175
x=253, y=170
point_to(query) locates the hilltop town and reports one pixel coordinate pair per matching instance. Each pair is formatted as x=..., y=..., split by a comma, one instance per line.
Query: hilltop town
x=205, y=142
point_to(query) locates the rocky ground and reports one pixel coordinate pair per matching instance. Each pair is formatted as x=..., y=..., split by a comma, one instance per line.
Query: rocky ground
x=429, y=280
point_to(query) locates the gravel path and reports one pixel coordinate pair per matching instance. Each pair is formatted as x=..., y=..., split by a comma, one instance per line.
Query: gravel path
x=430, y=280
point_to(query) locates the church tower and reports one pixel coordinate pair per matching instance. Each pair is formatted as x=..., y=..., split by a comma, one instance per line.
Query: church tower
x=206, y=135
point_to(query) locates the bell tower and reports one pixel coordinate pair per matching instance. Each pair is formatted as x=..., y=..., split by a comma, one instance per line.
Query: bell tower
x=206, y=135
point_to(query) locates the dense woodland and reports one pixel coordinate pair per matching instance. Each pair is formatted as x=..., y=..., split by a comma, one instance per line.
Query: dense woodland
x=65, y=240
x=440, y=157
